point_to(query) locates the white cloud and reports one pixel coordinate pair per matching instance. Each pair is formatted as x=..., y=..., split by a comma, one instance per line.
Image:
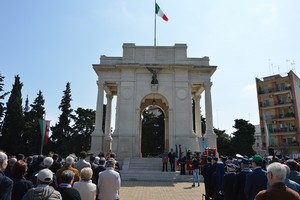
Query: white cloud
x=267, y=12
x=250, y=89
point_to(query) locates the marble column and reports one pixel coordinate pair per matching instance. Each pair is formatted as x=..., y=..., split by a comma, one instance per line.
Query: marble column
x=197, y=116
x=108, y=138
x=209, y=134
x=97, y=135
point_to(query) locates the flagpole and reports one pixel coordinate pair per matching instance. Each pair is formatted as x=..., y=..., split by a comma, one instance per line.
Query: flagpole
x=155, y=23
x=42, y=145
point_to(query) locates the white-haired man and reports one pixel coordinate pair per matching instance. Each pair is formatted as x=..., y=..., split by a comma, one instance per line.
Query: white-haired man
x=68, y=166
x=6, y=184
x=276, y=173
x=109, y=182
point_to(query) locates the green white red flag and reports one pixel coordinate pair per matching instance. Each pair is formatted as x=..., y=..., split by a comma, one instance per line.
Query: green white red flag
x=44, y=128
x=160, y=13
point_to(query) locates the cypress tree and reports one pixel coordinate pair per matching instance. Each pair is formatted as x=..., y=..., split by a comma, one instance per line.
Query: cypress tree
x=13, y=124
x=60, y=140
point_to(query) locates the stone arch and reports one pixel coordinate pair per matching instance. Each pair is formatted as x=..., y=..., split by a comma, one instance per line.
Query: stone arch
x=161, y=102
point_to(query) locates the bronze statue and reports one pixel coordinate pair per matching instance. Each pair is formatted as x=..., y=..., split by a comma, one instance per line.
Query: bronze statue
x=154, y=75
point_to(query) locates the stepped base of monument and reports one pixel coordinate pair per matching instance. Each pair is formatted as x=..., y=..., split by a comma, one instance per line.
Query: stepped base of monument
x=150, y=169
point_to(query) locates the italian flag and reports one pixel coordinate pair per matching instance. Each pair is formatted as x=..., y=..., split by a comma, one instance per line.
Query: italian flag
x=44, y=127
x=160, y=13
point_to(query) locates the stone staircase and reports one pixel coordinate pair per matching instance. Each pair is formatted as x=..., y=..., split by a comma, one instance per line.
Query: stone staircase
x=149, y=169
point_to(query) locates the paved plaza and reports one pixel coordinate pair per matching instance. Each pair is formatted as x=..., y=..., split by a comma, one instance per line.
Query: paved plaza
x=131, y=190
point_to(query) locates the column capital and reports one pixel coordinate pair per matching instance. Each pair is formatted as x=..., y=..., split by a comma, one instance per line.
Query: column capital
x=207, y=84
x=100, y=83
x=109, y=96
x=197, y=97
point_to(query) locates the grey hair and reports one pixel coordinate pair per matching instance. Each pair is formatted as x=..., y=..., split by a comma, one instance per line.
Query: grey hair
x=69, y=160
x=3, y=157
x=67, y=176
x=48, y=161
x=278, y=170
x=110, y=162
x=86, y=173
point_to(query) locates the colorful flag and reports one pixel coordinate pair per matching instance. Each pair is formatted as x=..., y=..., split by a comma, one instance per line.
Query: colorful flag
x=44, y=128
x=160, y=13
x=47, y=131
x=203, y=143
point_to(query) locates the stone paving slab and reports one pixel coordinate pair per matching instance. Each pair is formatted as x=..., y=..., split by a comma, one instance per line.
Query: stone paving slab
x=131, y=190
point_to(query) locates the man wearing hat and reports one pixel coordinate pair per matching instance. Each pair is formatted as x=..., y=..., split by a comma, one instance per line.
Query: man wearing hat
x=43, y=191
x=257, y=180
x=228, y=180
x=240, y=180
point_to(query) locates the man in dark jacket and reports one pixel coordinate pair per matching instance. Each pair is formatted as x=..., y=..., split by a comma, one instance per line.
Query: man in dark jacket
x=65, y=188
x=294, y=174
x=205, y=176
x=210, y=177
x=240, y=180
x=171, y=156
x=6, y=184
x=228, y=180
x=98, y=169
x=256, y=180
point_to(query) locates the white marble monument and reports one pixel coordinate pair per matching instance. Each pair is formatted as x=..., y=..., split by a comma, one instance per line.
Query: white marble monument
x=143, y=74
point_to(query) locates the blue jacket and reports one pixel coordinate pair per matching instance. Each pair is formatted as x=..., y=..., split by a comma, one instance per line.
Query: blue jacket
x=6, y=186
x=292, y=184
x=255, y=182
x=240, y=182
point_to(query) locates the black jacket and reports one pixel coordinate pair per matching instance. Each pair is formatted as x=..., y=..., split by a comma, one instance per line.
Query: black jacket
x=6, y=186
x=21, y=186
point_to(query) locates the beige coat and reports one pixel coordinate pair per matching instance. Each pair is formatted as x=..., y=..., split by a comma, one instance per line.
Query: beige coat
x=109, y=184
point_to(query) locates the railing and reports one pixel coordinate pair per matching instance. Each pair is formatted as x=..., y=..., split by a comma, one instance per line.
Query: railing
x=284, y=145
x=275, y=104
x=283, y=130
x=260, y=91
x=280, y=116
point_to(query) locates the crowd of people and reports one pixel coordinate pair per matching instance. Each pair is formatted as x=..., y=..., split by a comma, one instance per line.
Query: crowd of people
x=240, y=178
x=72, y=178
x=53, y=178
x=254, y=178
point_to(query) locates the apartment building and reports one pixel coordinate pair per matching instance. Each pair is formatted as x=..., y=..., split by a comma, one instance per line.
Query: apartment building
x=279, y=110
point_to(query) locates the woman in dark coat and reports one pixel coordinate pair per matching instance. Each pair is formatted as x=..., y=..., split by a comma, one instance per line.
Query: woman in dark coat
x=21, y=185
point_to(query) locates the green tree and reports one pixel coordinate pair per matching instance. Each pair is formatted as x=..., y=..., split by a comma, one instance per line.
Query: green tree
x=60, y=140
x=13, y=124
x=32, y=135
x=243, y=139
x=2, y=96
x=223, y=142
x=84, y=125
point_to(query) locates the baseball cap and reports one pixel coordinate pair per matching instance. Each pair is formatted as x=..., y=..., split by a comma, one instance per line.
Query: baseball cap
x=45, y=175
x=257, y=159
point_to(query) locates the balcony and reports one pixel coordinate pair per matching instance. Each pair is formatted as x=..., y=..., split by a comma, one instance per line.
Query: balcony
x=275, y=104
x=280, y=116
x=291, y=145
x=286, y=130
x=271, y=90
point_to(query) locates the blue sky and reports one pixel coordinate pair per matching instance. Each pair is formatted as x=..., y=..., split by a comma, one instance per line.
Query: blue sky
x=50, y=43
